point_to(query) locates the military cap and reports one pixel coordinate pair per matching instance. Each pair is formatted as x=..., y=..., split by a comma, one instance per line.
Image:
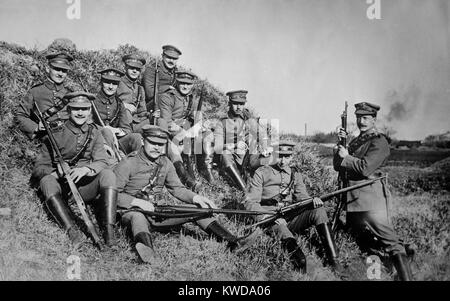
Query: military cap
x=171, y=51
x=111, y=74
x=284, y=147
x=154, y=133
x=238, y=96
x=134, y=60
x=185, y=77
x=79, y=99
x=366, y=108
x=59, y=60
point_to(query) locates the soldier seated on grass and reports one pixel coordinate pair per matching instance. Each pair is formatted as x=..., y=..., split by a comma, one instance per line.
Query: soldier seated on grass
x=277, y=185
x=82, y=146
x=140, y=180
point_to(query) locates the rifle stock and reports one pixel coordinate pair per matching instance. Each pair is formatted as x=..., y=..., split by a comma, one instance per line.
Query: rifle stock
x=66, y=174
x=153, y=114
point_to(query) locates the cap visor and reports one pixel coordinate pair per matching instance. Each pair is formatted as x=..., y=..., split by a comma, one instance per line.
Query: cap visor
x=156, y=140
x=111, y=78
x=60, y=65
x=135, y=65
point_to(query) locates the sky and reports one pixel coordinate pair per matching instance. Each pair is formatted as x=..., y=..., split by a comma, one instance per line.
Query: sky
x=300, y=60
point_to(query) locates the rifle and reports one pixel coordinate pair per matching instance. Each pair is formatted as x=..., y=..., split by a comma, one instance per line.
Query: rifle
x=66, y=174
x=180, y=211
x=342, y=177
x=305, y=202
x=102, y=123
x=154, y=119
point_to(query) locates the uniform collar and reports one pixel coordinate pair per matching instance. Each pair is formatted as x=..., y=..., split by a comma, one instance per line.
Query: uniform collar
x=369, y=132
x=52, y=85
x=232, y=115
x=76, y=129
x=167, y=70
x=287, y=169
x=105, y=98
x=128, y=82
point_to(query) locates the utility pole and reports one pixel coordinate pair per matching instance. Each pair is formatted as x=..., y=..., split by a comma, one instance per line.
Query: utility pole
x=306, y=130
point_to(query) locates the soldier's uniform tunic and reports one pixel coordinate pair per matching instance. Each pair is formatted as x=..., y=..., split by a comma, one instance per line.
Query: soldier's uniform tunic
x=167, y=79
x=263, y=194
x=133, y=93
x=71, y=140
x=367, y=207
x=179, y=109
x=232, y=129
x=113, y=113
x=134, y=173
x=46, y=94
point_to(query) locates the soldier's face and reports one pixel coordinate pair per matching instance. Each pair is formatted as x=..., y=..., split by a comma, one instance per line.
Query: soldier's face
x=184, y=88
x=57, y=75
x=79, y=115
x=365, y=122
x=109, y=87
x=237, y=108
x=169, y=62
x=284, y=160
x=152, y=149
x=132, y=72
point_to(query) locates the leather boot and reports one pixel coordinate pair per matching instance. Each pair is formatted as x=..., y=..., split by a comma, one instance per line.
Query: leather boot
x=328, y=242
x=185, y=177
x=234, y=174
x=64, y=217
x=109, y=198
x=208, y=166
x=296, y=255
x=144, y=247
x=401, y=264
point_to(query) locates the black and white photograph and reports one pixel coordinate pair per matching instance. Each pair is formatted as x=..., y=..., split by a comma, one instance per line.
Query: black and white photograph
x=225, y=146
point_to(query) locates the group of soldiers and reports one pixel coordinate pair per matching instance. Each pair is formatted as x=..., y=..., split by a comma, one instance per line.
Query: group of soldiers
x=128, y=142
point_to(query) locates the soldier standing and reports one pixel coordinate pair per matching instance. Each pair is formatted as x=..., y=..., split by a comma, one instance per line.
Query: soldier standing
x=48, y=95
x=177, y=110
x=131, y=93
x=367, y=208
x=277, y=185
x=148, y=170
x=113, y=113
x=166, y=75
x=81, y=145
x=236, y=135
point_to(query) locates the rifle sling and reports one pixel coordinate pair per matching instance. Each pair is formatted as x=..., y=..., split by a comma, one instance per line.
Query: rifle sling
x=75, y=159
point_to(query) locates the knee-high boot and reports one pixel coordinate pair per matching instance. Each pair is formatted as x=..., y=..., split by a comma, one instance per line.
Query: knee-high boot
x=401, y=264
x=109, y=202
x=328, y=242
x=185, y=177
x=64, y=217
x=234, y=174
x=296, y=254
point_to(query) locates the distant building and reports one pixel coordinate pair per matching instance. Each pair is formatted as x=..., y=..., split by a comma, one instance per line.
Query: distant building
x=407, y=144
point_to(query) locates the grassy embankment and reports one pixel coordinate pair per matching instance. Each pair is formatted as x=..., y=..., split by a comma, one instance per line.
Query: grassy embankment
x=32, y=247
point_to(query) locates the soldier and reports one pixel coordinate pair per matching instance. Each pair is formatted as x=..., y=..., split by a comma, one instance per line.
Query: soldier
x=48, y=96
x=149, y=170
x=177, y=109
x=131, y=93
x=277, y=185
x=368, y=207
x=236, y=135
x=81, y=145
x=114, y=114
x=166, y=75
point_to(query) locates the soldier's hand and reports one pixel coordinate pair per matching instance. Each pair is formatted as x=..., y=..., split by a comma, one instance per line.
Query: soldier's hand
x=317, y=202
x=173, y=127
x=342, y=151
x=79, y=172
x=242, y=145
x=143, y=204
x=156, y=114
x=280, y=221
x=342, y=134
x=204, y=202
x=130, y=107
x=40, y=126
